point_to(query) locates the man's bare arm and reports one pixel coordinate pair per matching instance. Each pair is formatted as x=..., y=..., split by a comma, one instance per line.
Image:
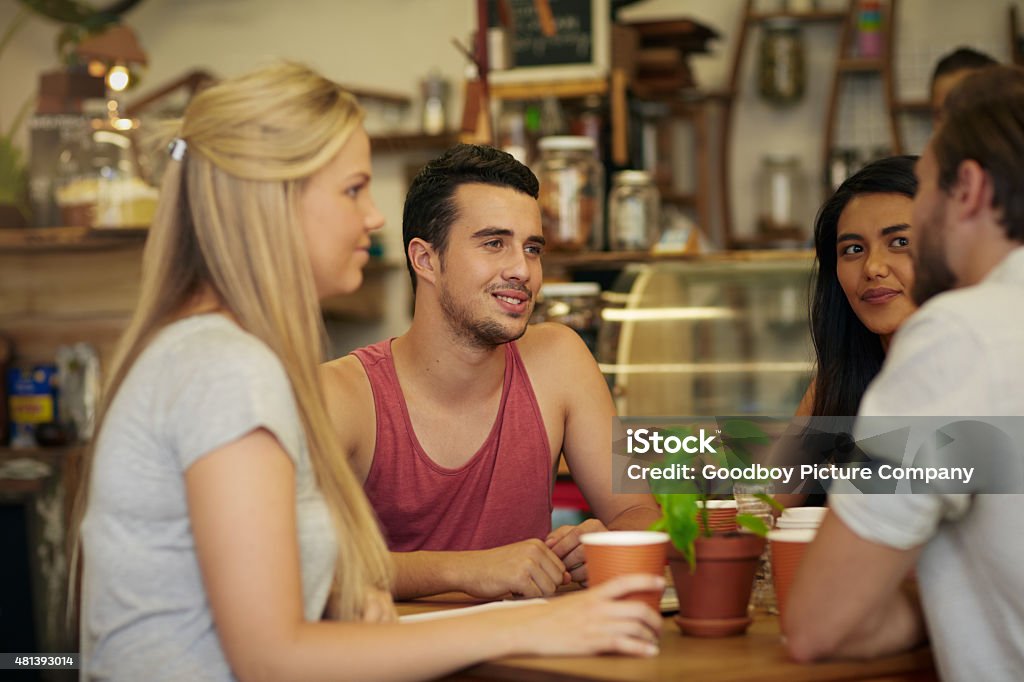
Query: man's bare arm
x=851, y=598
x=587, y=446
x=526, y=568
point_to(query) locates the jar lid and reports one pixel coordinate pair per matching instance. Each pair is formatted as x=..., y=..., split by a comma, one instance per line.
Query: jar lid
x=570, y=289
x=633, y=177
x=566, y=143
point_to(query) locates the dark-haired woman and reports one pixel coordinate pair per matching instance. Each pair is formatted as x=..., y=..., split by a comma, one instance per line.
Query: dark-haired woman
x=862, y=291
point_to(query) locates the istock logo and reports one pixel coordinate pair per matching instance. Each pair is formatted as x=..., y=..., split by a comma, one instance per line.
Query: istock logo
x=643, y=441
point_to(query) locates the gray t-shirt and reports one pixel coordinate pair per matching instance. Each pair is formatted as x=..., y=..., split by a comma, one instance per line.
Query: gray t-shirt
x=202, y=383
x=961, y=354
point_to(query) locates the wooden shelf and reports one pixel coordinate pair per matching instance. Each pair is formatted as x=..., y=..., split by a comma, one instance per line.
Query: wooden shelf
x=805, y=17
x=54, y=458
x=84, y=258
x=46, y=455
x=539, y=90
x=407, y=142
x=914, y=106
x=679, y=198
x=699, y=96
x=35, y=239
x=860, y=65
x=685, y=98
x=611, y=260
x=395, y=98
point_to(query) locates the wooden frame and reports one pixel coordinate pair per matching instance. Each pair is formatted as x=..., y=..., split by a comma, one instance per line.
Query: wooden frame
x=600, y=56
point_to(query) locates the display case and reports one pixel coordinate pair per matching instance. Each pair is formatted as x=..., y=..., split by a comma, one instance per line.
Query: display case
x=723, y=334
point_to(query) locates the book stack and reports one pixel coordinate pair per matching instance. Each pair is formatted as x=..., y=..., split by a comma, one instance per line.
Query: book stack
x=655, y=54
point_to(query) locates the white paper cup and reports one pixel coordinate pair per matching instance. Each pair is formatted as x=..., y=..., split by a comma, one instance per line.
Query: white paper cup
x=718, y=504
x=803, y=535
x=805, y=514
x=787, y=524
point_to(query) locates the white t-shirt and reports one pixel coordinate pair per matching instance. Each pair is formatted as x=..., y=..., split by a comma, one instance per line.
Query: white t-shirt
x=200, y=384
x=961, y=354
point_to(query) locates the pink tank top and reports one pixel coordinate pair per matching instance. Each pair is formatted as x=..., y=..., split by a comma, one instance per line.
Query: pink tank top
x=500, y=496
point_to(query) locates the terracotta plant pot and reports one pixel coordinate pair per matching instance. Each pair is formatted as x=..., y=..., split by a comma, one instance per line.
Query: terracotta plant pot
x=713, y=599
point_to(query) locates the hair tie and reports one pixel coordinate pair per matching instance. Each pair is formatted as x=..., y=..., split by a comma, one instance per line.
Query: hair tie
x=177, y=149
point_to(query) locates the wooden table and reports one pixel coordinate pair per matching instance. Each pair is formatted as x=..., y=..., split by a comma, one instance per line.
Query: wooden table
x=756, y=656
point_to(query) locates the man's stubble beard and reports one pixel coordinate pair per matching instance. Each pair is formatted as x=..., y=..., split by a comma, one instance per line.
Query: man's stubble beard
x=481, y=334
x=932, y=274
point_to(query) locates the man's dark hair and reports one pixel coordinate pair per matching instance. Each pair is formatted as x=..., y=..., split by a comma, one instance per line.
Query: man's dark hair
x=984, y=122
x=848, y=354
x=959, y=59
x=430, y=207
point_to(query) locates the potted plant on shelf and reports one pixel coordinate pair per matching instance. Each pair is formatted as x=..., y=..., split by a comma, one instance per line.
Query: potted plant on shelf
x=13, y=171
x=13, y=181
x=715, y=573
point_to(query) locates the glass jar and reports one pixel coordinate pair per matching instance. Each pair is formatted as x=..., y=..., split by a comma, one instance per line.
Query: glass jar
x=512, y=136
x=842, y=163
x=571, y=193
x=633, y=212
x=781, y=75
x=762, y=596
x=435, y=104
x=574, y=304
x=782, y=189
x=98, y=183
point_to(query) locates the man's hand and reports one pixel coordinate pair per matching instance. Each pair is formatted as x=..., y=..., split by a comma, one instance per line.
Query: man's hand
x=564, y=541
x=528, y=569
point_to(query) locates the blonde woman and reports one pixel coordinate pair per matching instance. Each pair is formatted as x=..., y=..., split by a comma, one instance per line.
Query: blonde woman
x=219, y=530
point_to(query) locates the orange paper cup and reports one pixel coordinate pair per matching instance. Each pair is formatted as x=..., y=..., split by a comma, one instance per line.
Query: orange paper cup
x=721, y=515
x=787, y=550
x=614, y=553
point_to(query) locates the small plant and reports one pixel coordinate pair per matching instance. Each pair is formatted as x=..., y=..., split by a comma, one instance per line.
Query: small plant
x=13, y=171
x=684, y=503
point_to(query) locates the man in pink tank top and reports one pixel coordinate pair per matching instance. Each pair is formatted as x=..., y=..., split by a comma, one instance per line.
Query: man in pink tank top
x=456, y=427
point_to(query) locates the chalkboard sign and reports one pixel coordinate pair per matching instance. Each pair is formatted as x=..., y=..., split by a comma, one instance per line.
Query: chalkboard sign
x=580, y=39
x=529, y=46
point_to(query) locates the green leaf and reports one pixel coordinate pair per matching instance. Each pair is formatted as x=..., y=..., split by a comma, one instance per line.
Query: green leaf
x=679, y=520
x=732, y=459
x=770, y=501
x=13, y=176
x=747, y=430
x=705, y=523
x=754, y=524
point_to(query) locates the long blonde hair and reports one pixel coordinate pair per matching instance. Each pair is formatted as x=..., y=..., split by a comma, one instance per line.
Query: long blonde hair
x=228, y=221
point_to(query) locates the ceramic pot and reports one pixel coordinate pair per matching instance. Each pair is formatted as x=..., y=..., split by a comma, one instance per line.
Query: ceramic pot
x=713, y=598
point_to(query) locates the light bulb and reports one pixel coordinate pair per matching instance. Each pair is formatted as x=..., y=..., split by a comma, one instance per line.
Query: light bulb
x=118, y=78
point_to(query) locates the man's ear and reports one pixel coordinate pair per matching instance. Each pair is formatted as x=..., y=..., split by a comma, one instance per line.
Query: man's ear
x=973, y=190
x=425, y=261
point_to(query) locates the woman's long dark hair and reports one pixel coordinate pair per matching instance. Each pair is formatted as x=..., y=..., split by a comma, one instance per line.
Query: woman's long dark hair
x=849, y=355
